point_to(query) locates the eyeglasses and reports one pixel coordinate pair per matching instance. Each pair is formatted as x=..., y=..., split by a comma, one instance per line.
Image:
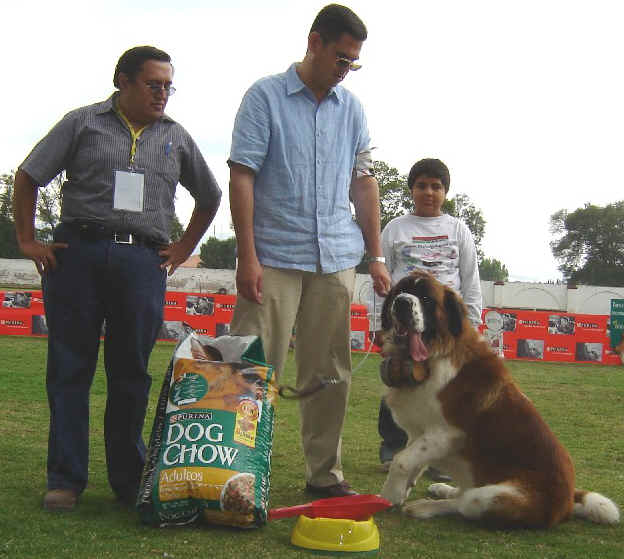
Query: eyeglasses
x=158, y=87
x=346, y=63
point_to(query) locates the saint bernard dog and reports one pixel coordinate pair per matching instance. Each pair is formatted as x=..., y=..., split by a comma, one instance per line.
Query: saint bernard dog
x=464, y=415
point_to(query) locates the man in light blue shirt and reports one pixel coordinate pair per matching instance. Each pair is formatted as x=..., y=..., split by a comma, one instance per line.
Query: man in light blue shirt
x=300, y=154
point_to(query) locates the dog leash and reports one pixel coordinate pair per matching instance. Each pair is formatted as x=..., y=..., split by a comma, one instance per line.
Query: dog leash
x=370, y=345
x=291, y=393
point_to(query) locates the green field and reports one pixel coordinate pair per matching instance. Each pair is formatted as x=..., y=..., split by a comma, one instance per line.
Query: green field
x=582, y=403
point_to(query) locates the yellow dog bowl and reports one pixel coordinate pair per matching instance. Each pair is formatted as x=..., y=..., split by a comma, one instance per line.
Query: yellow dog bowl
x=336, y=534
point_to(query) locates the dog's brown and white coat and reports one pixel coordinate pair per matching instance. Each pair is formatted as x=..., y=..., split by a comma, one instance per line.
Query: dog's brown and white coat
x=464, y=415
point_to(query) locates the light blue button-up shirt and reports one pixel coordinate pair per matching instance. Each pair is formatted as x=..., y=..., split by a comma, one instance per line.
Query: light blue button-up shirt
x=303, y=153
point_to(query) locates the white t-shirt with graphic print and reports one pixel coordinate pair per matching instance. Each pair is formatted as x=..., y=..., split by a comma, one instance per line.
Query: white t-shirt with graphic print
x=440, y=245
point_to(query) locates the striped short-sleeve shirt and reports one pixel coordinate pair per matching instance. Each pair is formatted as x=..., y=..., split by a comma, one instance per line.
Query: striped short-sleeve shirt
x=91, y=142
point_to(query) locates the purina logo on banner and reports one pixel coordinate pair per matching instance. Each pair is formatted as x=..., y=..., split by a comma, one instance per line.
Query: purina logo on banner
x=616, y=327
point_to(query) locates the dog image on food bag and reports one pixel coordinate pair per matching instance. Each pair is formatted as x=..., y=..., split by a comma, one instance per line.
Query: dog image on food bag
x=465, y=416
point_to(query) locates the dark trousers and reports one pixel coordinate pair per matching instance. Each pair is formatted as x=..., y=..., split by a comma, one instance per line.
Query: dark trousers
x=98, y=280
x=393, y=437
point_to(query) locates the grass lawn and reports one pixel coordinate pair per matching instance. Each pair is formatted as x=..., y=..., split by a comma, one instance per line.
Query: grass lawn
x=582, y=403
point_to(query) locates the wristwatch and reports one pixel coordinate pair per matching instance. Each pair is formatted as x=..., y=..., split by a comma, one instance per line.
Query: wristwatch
x=381, y=259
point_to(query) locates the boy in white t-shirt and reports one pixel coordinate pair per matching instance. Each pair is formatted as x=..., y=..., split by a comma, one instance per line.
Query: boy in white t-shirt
x=435, y=242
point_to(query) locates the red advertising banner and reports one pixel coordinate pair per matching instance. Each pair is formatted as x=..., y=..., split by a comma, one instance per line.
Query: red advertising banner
x=175, y=305
x=360, y=338
x=518, y=334
x=551, y=336
x=16, y=323
x=17, y=310
x=224, y=309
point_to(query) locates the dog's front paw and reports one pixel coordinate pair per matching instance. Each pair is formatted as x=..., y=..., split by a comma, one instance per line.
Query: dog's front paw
x=421, y=509
x=428, y=508
x=442, y=491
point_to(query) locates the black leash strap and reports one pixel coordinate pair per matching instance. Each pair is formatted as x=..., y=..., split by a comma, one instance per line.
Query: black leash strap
x=290, y=393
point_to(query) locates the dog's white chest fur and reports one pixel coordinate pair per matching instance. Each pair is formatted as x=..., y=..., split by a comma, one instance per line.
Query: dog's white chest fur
x=419, y=413
x=424, y=398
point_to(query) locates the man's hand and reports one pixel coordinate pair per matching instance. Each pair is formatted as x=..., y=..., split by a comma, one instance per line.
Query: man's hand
x=249, y=269
x=381, y=278
x=42, y=254
x=24, y=210
x=178, y=252
x=174, y=255
x=249, y=279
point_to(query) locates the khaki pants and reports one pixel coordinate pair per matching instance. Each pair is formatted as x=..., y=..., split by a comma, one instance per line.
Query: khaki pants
x=319, y=305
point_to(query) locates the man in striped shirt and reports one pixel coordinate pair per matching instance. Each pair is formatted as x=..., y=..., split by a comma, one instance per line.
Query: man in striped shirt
x=108, y=261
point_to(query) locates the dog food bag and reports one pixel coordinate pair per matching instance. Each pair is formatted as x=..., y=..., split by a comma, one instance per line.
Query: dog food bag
x=210, y=449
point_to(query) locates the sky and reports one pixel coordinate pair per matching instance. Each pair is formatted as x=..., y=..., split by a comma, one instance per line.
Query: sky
x=523, y=100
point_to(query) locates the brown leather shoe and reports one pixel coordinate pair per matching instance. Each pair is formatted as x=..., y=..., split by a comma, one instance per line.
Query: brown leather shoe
x=60, y=500
x=342, y=489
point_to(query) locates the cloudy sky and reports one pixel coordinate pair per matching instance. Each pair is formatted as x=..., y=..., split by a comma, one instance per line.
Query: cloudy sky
x=524, y=100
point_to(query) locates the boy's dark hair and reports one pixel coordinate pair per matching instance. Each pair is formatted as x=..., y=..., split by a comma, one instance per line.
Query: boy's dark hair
x=334, y=20
x=131, y=61
x=432, y=168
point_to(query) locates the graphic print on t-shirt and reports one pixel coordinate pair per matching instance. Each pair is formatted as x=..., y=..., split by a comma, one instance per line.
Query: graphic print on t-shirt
x=437, y=255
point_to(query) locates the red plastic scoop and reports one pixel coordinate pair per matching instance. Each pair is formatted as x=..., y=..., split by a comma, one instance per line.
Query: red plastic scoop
x=354, y=507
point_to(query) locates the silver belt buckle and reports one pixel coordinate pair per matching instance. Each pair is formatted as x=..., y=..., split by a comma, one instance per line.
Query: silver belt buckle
x=118, y=240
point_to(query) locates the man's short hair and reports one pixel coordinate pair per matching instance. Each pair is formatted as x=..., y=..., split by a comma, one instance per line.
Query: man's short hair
x=131, y=61
x=334, y=20
x=432, y=168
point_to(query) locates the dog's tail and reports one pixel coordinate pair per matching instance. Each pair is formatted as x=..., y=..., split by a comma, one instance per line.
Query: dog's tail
x=595, y=507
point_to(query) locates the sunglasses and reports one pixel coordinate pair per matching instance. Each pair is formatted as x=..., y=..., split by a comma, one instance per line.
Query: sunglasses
x=347, y=64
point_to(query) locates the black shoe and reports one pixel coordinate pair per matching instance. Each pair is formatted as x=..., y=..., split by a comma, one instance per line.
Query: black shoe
x=386, y=454
x=437, y=475
x=342, y=489
x=128, y=498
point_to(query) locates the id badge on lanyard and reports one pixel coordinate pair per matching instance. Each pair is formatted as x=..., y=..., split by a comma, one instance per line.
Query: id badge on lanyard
x=129, y=186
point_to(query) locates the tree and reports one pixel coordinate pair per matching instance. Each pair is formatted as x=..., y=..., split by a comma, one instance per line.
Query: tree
x=589, y=244
x=8, y=241
x=49, y=202
x=394, y=196
x=48, y=206
x=217, y=253
x=6, y=195
x=491, y=269
x=176, y=230
x=462, y=207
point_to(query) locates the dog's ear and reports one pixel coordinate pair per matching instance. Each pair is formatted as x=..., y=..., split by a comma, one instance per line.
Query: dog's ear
x=454, y=312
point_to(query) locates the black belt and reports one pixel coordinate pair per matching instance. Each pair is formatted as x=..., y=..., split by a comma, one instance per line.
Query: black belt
x=96, y=232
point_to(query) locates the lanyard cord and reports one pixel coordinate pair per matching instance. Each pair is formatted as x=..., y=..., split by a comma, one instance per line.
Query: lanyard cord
x=133, y=134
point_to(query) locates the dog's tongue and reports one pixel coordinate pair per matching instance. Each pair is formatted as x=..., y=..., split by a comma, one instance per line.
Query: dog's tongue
x=418, y=351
